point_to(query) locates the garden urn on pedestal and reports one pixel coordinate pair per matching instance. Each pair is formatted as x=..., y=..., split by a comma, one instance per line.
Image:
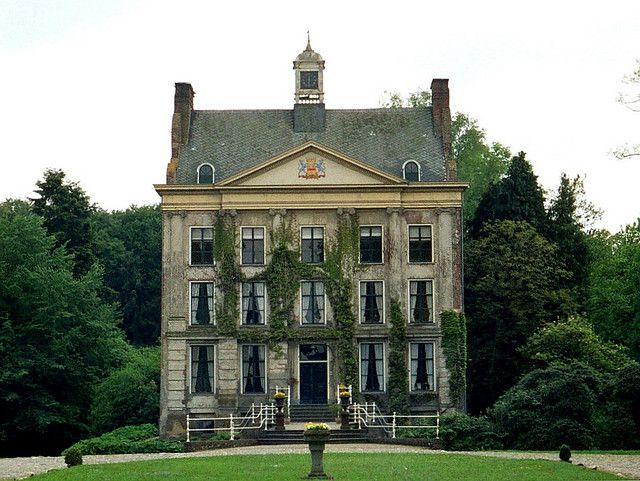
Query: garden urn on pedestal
x=317, y=435
x=345, y=396
x=279, y=397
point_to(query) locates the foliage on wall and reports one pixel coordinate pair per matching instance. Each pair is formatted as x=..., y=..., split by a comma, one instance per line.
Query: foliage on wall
x=454, y=348
x=398, y=383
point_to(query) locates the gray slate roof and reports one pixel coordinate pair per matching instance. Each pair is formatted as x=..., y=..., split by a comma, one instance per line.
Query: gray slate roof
x=234, y=140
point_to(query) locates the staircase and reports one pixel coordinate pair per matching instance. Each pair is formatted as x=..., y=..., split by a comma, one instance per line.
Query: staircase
x=304, y=413
x=296, y=437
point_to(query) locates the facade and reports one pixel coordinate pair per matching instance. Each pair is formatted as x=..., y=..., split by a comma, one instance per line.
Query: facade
x=293, y=240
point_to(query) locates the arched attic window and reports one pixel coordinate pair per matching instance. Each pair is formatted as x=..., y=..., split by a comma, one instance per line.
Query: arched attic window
x=411, y=171
x=205, y=174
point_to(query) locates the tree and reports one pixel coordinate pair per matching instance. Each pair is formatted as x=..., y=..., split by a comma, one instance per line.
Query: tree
x=512, y=288
x=128, y=244
x=479, y=162
x=564, y=228
x=614, y=286
x=394, y=100
x=66, y=211
x=130, y=395
x=573, y=340
x=516, y=197
x=631, y=100
x=57, y=338
x=548, y=408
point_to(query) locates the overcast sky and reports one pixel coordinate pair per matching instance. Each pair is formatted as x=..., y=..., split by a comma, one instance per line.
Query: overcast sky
x=87, y=85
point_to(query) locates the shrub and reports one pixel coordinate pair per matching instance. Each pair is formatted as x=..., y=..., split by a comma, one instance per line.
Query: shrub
x=129, y=395
x=565, y=453
x=547, y=408
x=72, y=456
x=129, y=439
x=460, y=432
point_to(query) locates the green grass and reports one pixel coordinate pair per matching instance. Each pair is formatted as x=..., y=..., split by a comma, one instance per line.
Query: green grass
x=342, y=466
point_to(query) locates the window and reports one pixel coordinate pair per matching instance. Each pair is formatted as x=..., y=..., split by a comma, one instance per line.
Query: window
x=371, y=245
x=253, y=369
x=253, y=303
x=253, y=245
x=309, y=79
x=205, y=174
x=312, y=302
x=202, y=369
x=411, y=171
x=420, y=301
x=201, y=246
x=422, y=378
x=312, y=244
x=201, y=303
x=371, y=302
x=371, y=366
x=420, y=243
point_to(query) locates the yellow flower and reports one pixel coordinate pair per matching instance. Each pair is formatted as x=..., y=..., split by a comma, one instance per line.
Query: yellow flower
x=316, y=427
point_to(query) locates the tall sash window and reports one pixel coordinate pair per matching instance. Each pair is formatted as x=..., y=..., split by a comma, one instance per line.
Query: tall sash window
x=421, y=301
x=371, y=302
x=253, y=297
x=202, y=369
x=201, y=303
x=371, y=367
x=422, y=367
x=312, y=302
x=253, y=368
x=201, y=246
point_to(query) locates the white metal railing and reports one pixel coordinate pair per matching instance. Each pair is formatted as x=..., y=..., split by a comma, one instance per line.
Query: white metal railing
x=258, y=417
x=287, y=391
x=368, y=415
x=349, y=388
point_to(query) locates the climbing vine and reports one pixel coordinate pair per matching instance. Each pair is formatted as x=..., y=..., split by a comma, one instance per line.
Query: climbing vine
x=228, y=274
x=398, y=384
x=454, y=348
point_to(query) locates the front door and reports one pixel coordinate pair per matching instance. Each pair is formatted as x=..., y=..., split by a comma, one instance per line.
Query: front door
x=313, y=373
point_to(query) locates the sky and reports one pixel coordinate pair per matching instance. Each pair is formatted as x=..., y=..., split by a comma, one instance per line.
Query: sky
x=87, y=85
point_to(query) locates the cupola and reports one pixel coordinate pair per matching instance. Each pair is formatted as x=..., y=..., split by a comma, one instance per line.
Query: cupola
x=309, y=66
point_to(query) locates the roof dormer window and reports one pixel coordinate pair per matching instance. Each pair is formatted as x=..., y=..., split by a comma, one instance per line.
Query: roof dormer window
x=411, y=171
x=205, y=174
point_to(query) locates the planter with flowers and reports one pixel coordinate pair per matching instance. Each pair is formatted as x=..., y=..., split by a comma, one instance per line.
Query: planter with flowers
x=317, y=435
x=345, y=397
x=279, y=396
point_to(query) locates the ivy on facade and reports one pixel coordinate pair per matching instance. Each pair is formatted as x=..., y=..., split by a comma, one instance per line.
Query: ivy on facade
x=398, y=383
x=454, y=348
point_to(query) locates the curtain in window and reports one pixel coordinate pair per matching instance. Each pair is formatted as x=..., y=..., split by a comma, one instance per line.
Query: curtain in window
x=203, y=377
x=422, y=381
x=373, y=367
x=203, y=309
x=419, y=302
x=371, y=309
x=252, y=371
x=253, y=308
x=313, y=314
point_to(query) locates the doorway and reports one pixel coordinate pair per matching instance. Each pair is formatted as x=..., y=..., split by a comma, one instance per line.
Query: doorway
x=313, y=373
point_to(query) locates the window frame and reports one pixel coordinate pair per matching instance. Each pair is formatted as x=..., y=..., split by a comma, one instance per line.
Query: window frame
x=266, y=370
x=384, y=365
x=324, y=305
x=214, y=379
x=433, y=303
x=213, y=259
x=435, y=366
x=409, y=244
x=264, y=244
x=381, y=308
x=264, y=311
x=369, y=226
x=213, y=302
x=213, y=174
x=323, y=243
x=404, y=166
x=304, y=73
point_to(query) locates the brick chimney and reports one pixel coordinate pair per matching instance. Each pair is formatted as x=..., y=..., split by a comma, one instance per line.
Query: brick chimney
x=442, y=123
x=180, y=124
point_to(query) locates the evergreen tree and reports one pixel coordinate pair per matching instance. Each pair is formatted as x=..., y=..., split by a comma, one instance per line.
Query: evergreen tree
x=57, y=339
x=66, y=211
x=512, y=288
x=516, y=197
x=565, y=230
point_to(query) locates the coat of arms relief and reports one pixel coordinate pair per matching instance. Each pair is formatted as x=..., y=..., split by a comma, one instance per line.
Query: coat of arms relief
x=311, y=168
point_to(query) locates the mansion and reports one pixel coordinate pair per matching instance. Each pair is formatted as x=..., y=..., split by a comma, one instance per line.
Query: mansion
x=297, y=243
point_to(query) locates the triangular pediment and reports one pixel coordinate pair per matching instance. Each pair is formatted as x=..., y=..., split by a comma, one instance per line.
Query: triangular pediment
x=311, y=164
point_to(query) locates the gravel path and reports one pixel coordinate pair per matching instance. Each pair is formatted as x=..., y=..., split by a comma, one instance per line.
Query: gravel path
x=18, y=468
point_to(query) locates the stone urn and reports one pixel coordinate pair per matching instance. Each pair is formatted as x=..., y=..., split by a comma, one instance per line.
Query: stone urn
x=344, y=414
x=279, y=398
x=317, y=438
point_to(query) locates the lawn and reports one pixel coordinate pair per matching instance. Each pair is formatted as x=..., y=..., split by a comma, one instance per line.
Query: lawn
x=342, y=466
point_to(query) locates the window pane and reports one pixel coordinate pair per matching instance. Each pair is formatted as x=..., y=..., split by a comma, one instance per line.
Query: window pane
x=371, y=302
x=411, y=172
x=252, y=245
x=205, y=174
x=202, y=245
x=422, y=367
x=201, y=303
x=312, y=244
x=421, y=301
x=312, y=302
x=371, y=244
x=420, y=244
x=313, y=352
x=253, y=368
x=201, y=369
x=371, y=367
x=253, y=303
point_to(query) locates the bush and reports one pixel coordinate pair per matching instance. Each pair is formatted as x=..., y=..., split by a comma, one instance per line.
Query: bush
x=460, y=432
x=547, y=408
x=127, y=440
x=565, y=453
x=72, y=456
x=129, y=395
